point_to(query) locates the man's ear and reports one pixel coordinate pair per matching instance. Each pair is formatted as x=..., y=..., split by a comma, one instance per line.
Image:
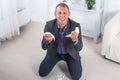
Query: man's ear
x=69, y=14
x=54, y=13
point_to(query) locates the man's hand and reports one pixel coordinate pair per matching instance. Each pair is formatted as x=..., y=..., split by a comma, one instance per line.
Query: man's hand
x=74, y=35
x=48, y=37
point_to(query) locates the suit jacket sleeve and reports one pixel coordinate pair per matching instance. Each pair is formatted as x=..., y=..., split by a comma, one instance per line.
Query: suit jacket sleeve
x=44, y=43
x=79, y=45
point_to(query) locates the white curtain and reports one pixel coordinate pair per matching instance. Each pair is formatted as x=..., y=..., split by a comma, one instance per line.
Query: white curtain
x=8, y=19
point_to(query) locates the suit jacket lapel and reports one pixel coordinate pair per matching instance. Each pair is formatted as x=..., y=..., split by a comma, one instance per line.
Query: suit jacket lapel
x=56, y=30
x=69, y=28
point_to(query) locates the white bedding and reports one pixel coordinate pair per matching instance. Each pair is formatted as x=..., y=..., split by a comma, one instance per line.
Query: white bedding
x=113, y=51
x=111, y=39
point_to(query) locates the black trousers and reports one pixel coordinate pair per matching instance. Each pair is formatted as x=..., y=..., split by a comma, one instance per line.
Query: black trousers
x=74, y=66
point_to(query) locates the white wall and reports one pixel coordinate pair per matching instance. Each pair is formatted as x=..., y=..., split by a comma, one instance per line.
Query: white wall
x=38, y=10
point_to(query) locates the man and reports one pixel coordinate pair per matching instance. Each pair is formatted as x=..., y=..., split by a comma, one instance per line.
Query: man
x=63, y=41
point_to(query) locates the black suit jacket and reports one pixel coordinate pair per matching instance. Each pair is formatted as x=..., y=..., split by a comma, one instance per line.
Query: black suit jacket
x=73, y=50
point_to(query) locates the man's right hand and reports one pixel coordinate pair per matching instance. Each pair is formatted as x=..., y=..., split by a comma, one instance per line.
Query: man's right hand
x=48, y=37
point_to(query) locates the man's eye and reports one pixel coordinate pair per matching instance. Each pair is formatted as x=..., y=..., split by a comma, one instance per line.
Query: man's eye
x=64, y=13
x=59, y=13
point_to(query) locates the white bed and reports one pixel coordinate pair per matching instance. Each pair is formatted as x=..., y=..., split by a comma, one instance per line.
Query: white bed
x=111, y=39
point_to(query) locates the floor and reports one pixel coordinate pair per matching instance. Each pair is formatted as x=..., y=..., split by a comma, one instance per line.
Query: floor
x=20, y=58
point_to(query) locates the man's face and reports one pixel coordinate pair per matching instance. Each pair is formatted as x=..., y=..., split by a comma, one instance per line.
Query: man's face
x=62, y=14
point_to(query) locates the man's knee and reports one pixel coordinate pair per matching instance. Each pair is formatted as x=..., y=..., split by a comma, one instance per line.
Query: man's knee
x=76, y=76
x=42, y=73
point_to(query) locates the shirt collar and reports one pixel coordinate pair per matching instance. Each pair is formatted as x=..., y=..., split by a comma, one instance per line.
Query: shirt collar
x=64, y=27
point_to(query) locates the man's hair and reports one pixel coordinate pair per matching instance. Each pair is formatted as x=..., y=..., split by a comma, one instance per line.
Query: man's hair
x=62, y=5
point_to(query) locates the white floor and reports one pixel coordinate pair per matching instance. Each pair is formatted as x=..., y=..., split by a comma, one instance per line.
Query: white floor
x=20, y=58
